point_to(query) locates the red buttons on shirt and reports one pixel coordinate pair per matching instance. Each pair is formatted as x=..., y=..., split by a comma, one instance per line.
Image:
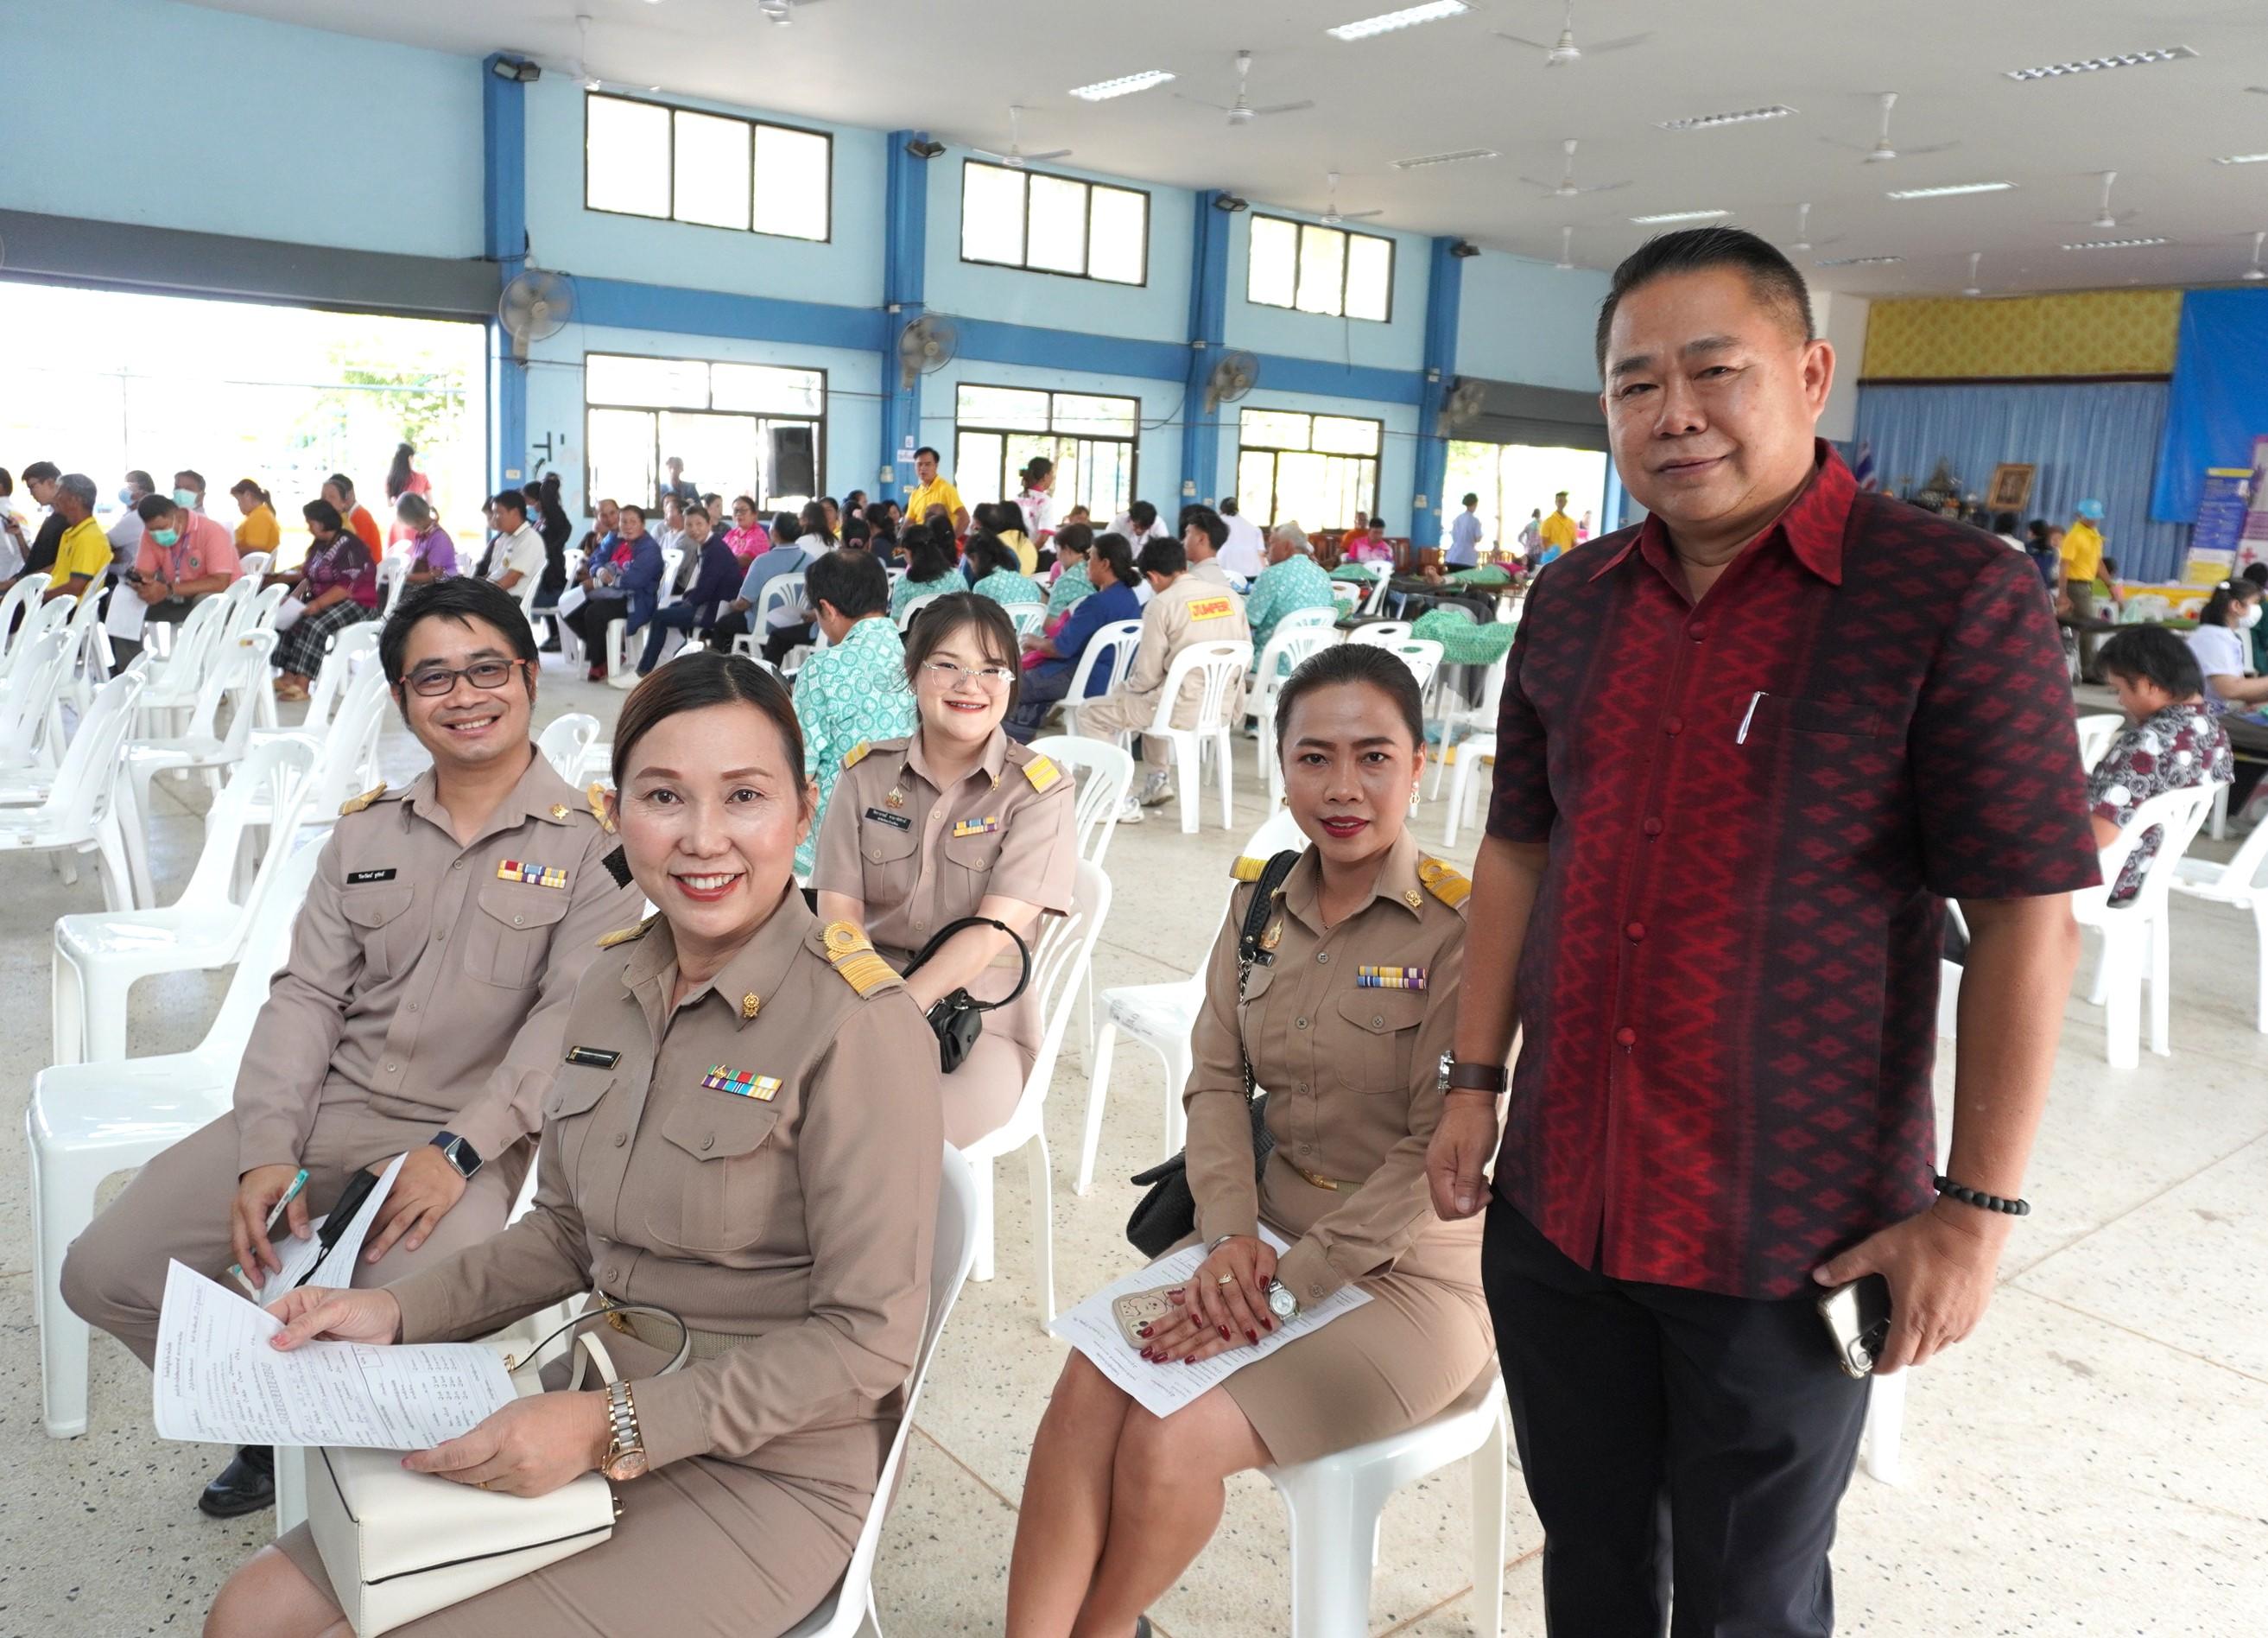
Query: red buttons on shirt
x=1635, y=932
x=1625, y=1037
x=1698, y=631
x=1654, y=827
x=1673, y=725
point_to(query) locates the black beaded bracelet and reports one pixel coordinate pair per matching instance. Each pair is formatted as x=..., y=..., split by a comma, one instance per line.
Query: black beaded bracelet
x=1981, y=1200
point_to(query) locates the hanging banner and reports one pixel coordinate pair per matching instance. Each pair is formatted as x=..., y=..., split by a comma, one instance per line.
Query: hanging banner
x=2253, y=548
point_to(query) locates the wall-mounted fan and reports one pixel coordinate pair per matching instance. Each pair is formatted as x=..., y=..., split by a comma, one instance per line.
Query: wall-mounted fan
x=535, y=306
x=925, y=346
x=1236, y=374
x=1463, y=405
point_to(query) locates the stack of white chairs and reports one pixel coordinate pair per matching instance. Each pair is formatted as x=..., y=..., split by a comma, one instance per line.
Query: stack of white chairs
x=2237, y=884
x=34, y=672
x=1220, y=669
x=1065, y=947
x=1110, y=651
x=175, y=677
x=234, y=676
x=349, y=653
x=91, y=656
x=74, y=809
x=256, y=565
x=346, y=755
x=1159, y=1016
x=2139, y=930
x=86, y=1121
x=99, y=957
x=565, y=741
x=1105, y=774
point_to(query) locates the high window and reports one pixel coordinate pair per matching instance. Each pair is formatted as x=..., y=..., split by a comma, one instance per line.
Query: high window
x=644, y=159
x=741, y=429
x=1022, y=218
x=1319, y=269
x=1090, y=439
x=1314, y=470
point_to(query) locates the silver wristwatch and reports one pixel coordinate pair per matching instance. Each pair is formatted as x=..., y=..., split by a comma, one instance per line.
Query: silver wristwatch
x=626, y=1457
x=1281, y=1303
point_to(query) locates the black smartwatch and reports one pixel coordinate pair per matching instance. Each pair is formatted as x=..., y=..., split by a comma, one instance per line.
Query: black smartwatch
x=458, y=1153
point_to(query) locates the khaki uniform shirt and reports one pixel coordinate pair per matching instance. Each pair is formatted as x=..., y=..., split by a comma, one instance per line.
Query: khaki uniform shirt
x=426, y=978
x=763, y=1160
x=1190, y=610
x=918, y=857
x=1351, y=1071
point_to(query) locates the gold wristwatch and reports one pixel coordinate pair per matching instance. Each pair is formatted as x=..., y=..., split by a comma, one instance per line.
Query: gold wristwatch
x=625, y=1445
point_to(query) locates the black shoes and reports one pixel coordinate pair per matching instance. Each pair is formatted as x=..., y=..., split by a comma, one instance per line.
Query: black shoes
x=246, y=1485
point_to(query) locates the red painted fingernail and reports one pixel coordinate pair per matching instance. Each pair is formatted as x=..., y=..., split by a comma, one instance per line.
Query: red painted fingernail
x=1191, y=1360
x=1253, y=1336
x=1143, y=1332
x=1225, y=1337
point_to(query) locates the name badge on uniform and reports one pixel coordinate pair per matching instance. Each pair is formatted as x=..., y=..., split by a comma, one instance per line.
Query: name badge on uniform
x=1389, y=978
x=538, y=875
x=985, y=826
x=883, y=815
x=593, y=1056
x=360, y=878
x=741, y=1082
x=1210, y=607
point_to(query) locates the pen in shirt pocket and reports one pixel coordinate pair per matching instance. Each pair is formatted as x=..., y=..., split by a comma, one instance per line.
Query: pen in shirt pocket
x=1747, y=717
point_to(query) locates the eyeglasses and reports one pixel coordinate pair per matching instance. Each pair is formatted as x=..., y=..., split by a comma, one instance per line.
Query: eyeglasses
x=947, y=675
x=433, y=682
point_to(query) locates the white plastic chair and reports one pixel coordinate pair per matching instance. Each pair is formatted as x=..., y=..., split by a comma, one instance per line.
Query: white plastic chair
x=1470, y=757
x=1348, y=596
x=345, y=755
x=2140, y=930
x=1066, y=947
x=1027, y=617
x=25, y=594
x=1159, y=1017
x=74, y=810
x=2237, y=884
x=906, y=614
x=1334, y=1503
x=392, y=580
x=86, y=1121
x=1457, y=722
x=1383, y=633
x=570, y=647
x=1375, y=599
x=849, y=1610
x=672, y=559
x=2095, y=734
x=781, y=592
x=256, y=565
x=254, y=609
x=564, y=741
x=233, y=677
x=349, y=653
x=99, y=957
x=1110, y=651
x=174, y=677
x=1220, y=669
x=36, y=671
x=1295, y=637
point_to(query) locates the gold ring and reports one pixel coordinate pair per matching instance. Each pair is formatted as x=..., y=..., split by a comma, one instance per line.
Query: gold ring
x=1225, y=1280
x=481, y=1483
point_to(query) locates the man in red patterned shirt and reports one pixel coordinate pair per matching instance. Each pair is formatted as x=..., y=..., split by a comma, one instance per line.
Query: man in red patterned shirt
x=1748, y=750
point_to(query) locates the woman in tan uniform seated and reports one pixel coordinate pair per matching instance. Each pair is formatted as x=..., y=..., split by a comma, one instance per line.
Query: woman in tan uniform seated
x=958, y=820
x=1118, y=1502
x=744, y=1131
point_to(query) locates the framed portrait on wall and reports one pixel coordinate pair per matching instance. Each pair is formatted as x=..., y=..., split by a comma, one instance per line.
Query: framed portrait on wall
x=2011, y=487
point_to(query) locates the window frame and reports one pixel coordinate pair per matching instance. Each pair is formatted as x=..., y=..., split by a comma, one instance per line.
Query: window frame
x=763, y=502
x=669, y=186
x=1346, y=268
x=1132, y=442
x=1275, y=452
x=1086, y=225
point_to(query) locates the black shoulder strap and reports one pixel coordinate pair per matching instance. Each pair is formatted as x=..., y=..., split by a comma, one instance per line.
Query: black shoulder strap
x=1264, y=899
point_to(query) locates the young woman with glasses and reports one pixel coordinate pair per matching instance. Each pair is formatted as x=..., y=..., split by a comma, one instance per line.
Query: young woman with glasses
x=957, y=819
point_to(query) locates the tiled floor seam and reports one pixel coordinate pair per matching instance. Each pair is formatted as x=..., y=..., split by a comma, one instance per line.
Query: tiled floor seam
x=1458, y=1596
x=2144, y=1336
x=2029, y=1269
x=978, y=1479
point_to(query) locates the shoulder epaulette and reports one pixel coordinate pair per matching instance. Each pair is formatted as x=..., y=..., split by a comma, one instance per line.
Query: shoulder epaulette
x=855, y=755
x=1247, y=868
x=853, y=956
x=626, y=935
x=595, y=794
x=1443, y=882
x=356, y=804
x=1041, y=772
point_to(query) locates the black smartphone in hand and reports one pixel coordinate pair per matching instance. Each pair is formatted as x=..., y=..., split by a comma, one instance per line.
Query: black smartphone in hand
x=1857, y=1317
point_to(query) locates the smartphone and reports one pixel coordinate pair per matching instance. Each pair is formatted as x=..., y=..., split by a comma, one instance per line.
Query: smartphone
x=1140, y=1309
x=1857, y=1317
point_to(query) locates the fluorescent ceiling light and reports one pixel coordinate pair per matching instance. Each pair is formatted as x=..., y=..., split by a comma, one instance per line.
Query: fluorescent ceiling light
x=1387, y=22
x=1858, y=261
x=1124, y=85
x=2117, y=244
x=1948, y=192
x=1710, y=122
x=1457, y=158
x=1679, y=216
x=2094, y=65
x=2243, y=158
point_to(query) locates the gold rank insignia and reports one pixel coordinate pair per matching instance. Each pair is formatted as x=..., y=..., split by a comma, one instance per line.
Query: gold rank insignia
x=559, y=810
x=595, y=794
x=1041, y=773
x=624, y=935
x=751, y=1004
x=1274, y=936
x=897, y=798
x=1417, y=899
x=853, y=956
x=356, y=804
x=1247, y=869
x=851, y=758
x=1444, y=884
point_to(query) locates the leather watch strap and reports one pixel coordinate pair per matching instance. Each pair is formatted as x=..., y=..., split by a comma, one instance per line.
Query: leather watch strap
x=1465, y=1075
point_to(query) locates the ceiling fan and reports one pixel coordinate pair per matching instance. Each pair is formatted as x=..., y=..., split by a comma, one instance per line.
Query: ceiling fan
x=1882, y=151
x=2255, y=272
x=781, y=11
x=1564, y=52
x=1565, y=188
x=1242, y=112
x=1333, y=216
x=1566, y=263
x=1973, y=287
x=2103, y=216
x=1016, y=159
x=1803, y=239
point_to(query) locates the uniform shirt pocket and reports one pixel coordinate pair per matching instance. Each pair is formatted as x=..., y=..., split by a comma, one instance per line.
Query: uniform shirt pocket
x=971, y=858
x=567, y=1111
x=510, y=938
x=372, y=910
x=1374, y=1048
x=889, y=863
x=719, y=1205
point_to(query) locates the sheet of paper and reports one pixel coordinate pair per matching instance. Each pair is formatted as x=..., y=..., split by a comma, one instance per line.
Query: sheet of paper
x=303, y=1259
x=127, y=611
x=1161, y=1390
x=217, y=1382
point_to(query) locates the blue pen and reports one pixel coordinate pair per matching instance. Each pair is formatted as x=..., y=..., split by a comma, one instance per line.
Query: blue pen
x=299, y=1182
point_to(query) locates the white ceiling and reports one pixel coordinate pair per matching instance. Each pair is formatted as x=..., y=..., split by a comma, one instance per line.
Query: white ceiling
x=953, y=66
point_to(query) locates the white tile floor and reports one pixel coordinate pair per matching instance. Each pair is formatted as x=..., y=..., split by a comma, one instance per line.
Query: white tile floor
x=2090, y=1463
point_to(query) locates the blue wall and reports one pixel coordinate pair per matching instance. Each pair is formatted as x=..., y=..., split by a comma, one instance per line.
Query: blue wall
x=97, y=126
x=1528, y=321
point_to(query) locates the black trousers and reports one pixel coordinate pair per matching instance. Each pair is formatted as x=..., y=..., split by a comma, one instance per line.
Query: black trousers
x=1671, y=1439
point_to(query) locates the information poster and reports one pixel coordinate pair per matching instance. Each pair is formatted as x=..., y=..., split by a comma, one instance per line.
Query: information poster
x=2254, y=547
x=2221, y=508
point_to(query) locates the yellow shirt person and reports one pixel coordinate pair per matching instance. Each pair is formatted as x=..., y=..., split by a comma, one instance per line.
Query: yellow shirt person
x=2082, y=551
x=1557, y=531
x=934, y=491
x=84, y=550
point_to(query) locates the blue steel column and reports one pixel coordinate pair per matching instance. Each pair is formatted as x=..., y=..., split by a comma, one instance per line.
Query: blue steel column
x=1444, y=291
x=1208, y=324
x=905, y=246
x=503, y=234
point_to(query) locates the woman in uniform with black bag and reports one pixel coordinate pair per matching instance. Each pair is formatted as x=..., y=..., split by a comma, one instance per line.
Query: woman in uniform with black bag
x=1348, y=998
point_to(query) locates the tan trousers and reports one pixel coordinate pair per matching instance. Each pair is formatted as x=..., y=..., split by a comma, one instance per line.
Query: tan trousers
x=1118, y=712
x=178, y=1207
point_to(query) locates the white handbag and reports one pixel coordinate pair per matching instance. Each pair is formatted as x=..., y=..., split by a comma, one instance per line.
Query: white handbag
x=398, y=1545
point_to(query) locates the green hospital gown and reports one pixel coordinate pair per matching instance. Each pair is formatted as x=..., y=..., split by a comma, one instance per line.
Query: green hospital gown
x=852, y=692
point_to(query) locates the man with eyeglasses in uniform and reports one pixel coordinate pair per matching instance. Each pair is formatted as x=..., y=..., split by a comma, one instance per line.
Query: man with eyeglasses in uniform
x=420, y=1012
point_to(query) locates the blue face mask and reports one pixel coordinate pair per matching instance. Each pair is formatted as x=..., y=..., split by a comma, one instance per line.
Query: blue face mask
x=186, y=498
x=165, y=537
x=125, y=496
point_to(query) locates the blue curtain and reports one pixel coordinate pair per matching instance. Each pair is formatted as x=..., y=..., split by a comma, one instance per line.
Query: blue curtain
x=2090, y=441
x=2219, y=399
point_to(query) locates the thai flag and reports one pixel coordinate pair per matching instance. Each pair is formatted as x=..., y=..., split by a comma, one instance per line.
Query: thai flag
x=1863, y=468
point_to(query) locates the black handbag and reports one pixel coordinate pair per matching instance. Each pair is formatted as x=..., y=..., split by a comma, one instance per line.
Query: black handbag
x=1168, y=1214
x=958, y=1019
